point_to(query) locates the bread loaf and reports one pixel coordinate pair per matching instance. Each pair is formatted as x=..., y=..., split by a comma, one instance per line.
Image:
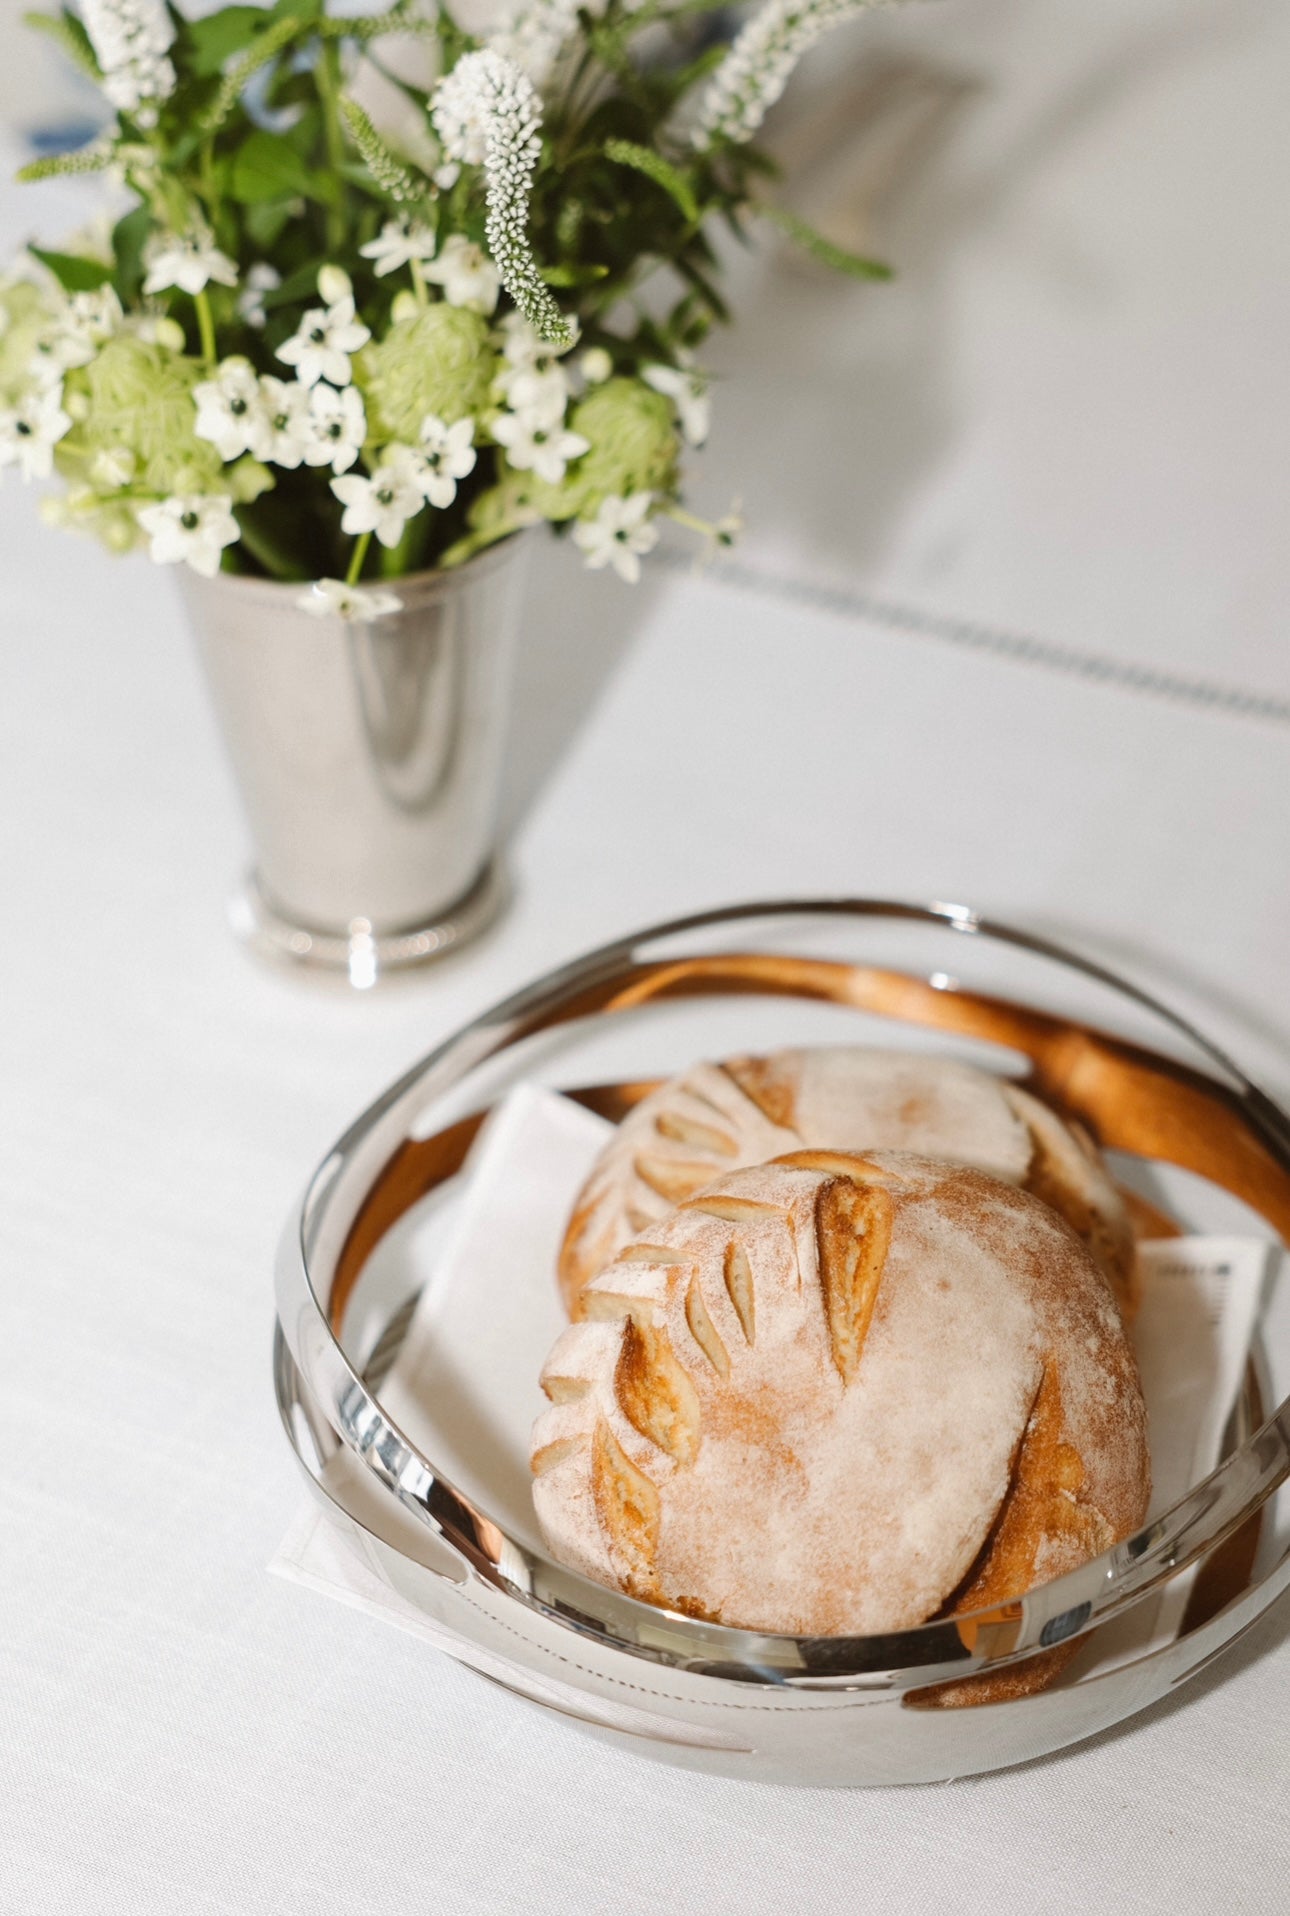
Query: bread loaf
x=717, y=1118
x=837, y=1394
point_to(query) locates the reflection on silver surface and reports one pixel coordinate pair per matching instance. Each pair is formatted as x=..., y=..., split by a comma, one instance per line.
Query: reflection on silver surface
x=368, y=758
x=827, y=1709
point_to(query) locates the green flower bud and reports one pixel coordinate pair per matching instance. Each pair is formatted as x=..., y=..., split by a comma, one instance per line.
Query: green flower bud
x=25, y=313
x=437, y=361
x=140, y=401
x=248, y=479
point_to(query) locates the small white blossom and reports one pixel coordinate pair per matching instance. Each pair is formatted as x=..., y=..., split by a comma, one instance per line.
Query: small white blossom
x=466, y=274
x=618, y=535
x=533, y=447
x=191, y=528
x=596, y=365
x=231, y=413
x=336, y=427
x=398, y=243
x=130, y=40
x=446, y=176
x=30, y=431
x=689, y=394
x=358, y=605
x=85, y=322
x=384, y=503
x=286, y=415
x=260, y=279
x=538, y=394
x=321, y=346
x=448, y=454
x=189, y=261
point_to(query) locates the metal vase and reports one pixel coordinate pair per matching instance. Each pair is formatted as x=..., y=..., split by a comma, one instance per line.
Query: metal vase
x=368, y=757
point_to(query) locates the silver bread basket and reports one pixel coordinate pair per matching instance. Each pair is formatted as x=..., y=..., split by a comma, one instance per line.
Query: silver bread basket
x=1159, y=1097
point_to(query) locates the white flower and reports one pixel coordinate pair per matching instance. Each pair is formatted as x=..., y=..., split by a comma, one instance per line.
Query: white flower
x=445, y=177
x=321, y=346
x=286, y=414
x=466, y=274
x=130, y=40
x=334, y=599
x=523, y=347
x=189, y=261
x=30, y=431
x=398, y=243
x=618, y=534
x=539, y=395
x=757, y=68
x=487, y=113
x=448, y=454
x=260, y=279
x=384, y=503
x=84, y=323
x=190, y=527
x=689, y=394
x=534, y=447
x=231, y=412
x=596, y=366
x=336, y=427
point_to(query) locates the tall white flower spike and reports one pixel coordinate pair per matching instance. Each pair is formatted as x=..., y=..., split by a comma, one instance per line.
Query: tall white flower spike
x=757, y=68
x=487, y=113
x=131, y=40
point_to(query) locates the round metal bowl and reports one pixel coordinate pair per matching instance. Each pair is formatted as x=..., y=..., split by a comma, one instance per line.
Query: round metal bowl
x=1157, y=1095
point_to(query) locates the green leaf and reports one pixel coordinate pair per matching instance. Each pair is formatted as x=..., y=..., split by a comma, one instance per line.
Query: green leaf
x=128, y=238
x=74, y=274
x=571, y=274
x=643, y=159
x=855, y=265
x=66, y=30
x=267, y=167
x=218, y=36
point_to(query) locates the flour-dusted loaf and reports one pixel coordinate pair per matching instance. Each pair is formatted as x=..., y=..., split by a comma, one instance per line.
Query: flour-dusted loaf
x=833, y=1394
x=717, y=1118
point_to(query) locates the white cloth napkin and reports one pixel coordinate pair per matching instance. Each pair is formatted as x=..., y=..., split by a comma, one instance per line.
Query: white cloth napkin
x=464, y=1386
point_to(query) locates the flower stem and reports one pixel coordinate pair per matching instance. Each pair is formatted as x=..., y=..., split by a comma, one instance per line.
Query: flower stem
x=419, y=283
x=328, y=71
x=263, y=549
x=357, y=557
x=206, y=327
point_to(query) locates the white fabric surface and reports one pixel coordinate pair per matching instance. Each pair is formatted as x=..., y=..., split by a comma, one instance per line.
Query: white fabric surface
x=1070, y=418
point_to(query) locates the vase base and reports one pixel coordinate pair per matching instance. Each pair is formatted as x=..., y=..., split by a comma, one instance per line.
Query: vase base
x=360, y=955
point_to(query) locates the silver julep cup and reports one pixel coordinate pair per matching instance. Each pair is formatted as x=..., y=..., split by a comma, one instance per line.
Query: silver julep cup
x=368, y=759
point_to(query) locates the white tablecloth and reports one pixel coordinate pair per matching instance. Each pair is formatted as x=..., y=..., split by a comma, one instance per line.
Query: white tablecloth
x=182, y=1733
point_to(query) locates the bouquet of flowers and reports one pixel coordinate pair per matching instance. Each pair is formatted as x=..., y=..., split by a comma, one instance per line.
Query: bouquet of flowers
x=303, y=353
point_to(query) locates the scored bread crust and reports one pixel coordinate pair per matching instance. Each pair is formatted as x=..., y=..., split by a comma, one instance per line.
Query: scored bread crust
x=834, y=1395
x=717, y=1118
